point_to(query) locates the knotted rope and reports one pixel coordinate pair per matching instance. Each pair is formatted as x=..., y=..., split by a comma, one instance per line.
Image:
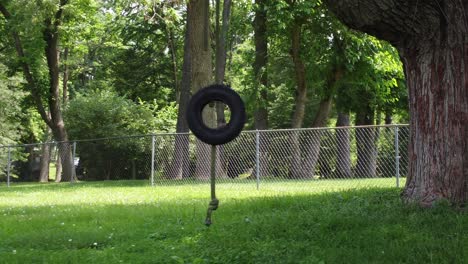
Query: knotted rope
x=213, y=205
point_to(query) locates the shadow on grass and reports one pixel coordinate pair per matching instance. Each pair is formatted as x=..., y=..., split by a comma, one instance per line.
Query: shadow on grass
x=360, y=226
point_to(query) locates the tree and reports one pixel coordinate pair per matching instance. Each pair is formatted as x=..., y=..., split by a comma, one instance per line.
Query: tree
x=37, y=83
x=261, y=81
x=431, y=37
x=260, y=65
x=201, y=73
x=145, y=65
x=180, y=166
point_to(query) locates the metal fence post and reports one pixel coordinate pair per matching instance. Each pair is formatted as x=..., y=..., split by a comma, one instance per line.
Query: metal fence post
x=8, y=166
x=257, y=157
x=152, y=160
x=397, y=158
x=73, y=162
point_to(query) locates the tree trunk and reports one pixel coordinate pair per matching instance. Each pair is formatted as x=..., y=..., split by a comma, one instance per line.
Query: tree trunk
x=134, y=170
x=173, y=51
x=299, y=70
x=306, y=167
x=388, y=117
x=201, y=74
x=261, y=83
x=438, y=148
x=180, y=166
x=300, y=99
x=58, y=165
x=260, y=65
x=58, y=126
x=343, y=150
x=312, y=143
x=66, y=75
x=220, y=70
x=432, y=37
x=365, y=143
x=45, y=158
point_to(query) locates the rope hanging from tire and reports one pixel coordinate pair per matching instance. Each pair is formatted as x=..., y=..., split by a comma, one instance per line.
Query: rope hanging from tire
x=215, y=136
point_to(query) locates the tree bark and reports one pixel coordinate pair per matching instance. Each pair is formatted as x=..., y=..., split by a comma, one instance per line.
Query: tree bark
x=261, y=83
x=299, y=71
x=66, y=76
x=180, y=166
x=313, y=143
x=306, y=168
x=220, y=72
x=260, y=65
x=432, y=38
x=45, y=158
x=173, y=51
x=201, y=75
x=365, y=142
x=51, y=37
x=300, y=98
x=388, y=117
x=58, y=165
x=343, y=150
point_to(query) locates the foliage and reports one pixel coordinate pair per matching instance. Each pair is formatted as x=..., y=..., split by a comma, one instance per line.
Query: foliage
x=150, y=34
x=134, y=49
x=10, y=111
x=104, y=114
x=374, y=74
x=132, y=222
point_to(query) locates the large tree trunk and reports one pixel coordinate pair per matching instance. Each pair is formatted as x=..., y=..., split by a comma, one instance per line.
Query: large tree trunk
x=438, y=150
x=201, y=75
x=343, y=150
x=432, y=37
x=261, y=83
x=180, y=166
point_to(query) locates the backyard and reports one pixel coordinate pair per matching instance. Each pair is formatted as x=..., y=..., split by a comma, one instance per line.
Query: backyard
x=285, y=222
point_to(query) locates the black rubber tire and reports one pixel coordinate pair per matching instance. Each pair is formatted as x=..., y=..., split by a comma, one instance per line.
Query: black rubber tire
x=221, y=135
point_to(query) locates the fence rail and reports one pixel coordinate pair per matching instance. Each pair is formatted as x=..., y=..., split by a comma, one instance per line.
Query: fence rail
x=364, y=156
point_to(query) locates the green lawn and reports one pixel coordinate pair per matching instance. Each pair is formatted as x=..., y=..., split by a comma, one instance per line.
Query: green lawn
x=283, y=222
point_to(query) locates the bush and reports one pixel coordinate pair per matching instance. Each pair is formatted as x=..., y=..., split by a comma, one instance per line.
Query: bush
x=104, y=115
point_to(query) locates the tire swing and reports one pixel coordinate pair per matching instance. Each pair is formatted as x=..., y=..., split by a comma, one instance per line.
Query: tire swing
x=215, y=136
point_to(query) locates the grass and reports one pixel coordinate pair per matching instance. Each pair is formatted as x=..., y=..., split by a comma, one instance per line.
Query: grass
x=131, y=222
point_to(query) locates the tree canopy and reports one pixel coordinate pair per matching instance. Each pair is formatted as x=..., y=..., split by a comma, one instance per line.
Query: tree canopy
x=116, y=68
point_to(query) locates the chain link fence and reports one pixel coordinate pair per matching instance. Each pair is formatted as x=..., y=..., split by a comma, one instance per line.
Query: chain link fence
x=342, y=157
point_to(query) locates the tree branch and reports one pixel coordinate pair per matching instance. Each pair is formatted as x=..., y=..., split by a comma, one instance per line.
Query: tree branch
x=391, y=20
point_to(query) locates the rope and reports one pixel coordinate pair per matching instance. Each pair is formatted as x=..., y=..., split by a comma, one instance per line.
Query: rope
x=213, y=205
